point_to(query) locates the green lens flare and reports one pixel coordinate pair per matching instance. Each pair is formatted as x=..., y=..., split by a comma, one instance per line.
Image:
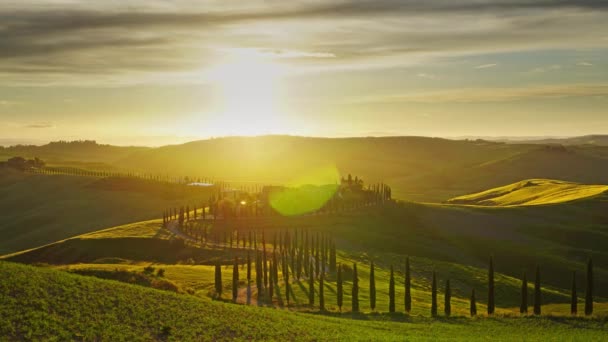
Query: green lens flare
x=307, y=193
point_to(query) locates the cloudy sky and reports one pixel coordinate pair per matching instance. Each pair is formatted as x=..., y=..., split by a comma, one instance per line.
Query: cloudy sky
x=157, y=72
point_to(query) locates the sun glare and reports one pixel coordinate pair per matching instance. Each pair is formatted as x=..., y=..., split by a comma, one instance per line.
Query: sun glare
x=248, y=104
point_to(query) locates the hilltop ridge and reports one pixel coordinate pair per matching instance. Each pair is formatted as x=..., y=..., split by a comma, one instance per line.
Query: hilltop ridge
x=532, y=192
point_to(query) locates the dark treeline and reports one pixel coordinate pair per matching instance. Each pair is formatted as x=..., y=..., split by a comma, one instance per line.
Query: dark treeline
x=304, y=254
x=281, y=256
x=75, y=171
x=251, y=202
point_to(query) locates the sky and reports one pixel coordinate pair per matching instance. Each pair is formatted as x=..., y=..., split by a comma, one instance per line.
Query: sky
x=152, y=72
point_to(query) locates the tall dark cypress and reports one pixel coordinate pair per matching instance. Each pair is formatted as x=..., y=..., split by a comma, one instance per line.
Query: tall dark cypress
x=372, y=287
x=339, y=286
x=299, y=259
x=271, y=282
x=448, y=299
x=248, y=267
x=218, y=279
x=307, y=255
x=434, y=296
x=473, y=307
x=275, y=269
x=235, y=279
x=491, y=304
x=311, y=287
x=573, y=296
x=286, y=275
x=181, y=217
x=321, y=294
x=523, y=307
x=265, y=266
x=317, y=259
x=589, y=289
x=355, y=292
x=537, y=298
x=408, y=284
x=391, y=292
x=258, y=275
x=332, y=257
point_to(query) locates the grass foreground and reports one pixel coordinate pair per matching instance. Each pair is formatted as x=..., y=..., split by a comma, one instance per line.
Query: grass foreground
x=39, y=302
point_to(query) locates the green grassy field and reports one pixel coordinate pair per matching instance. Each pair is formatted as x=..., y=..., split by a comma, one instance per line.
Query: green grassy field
x=39, y=303
x=457, y=251
x=455, y=241
x=41, y=209
x=532, y=192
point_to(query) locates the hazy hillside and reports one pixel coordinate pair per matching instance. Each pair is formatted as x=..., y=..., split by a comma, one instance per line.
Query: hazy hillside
x=599, y=140
x=76, y=151
x=418, y=168
x=40, y=209
x=532, y=192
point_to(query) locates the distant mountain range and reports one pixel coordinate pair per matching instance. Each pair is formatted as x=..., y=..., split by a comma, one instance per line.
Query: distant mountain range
x=596, y=139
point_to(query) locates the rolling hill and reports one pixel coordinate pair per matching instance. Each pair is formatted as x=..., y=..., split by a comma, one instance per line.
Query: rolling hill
x=72, y=152
x=38, y=303
x=418, y=168
x=40, y=209
x=532, y=192
x=559, y=237
x=594, y=139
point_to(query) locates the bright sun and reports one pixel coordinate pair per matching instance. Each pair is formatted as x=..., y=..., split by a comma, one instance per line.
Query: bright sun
x=248, y=84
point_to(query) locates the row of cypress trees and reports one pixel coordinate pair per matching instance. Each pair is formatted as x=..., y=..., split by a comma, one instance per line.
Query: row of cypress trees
x=263, y=283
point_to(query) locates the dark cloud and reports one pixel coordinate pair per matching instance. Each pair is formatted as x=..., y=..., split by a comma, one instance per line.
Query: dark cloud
x=40, y=125
x=104, y=39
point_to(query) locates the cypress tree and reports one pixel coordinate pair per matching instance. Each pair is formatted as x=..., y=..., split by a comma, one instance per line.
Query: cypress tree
x=537, y=292
x=372, y=288
x=286, y=275
x=248, y=267
x=317, y=259
x=332, y=257
x=355, y=292
x=589, y=289
x=473, y=307
x=235, y=279
x=218, y=280
x=434, y=296
x=181, y=217
x=339, y=285
x=258, y=275
x=270, y=283
x=265, y=266
x=448, y=299
x=311, y=288
x=574, y=297
x=307, y=255
x=300, y=256
x=391, y=292
x=491, y=287
x=321, y=296
x=408, y=281
x=275, y=269
x=523, y=308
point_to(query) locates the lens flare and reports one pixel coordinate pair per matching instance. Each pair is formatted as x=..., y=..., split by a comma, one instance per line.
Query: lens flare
x=307, y=193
